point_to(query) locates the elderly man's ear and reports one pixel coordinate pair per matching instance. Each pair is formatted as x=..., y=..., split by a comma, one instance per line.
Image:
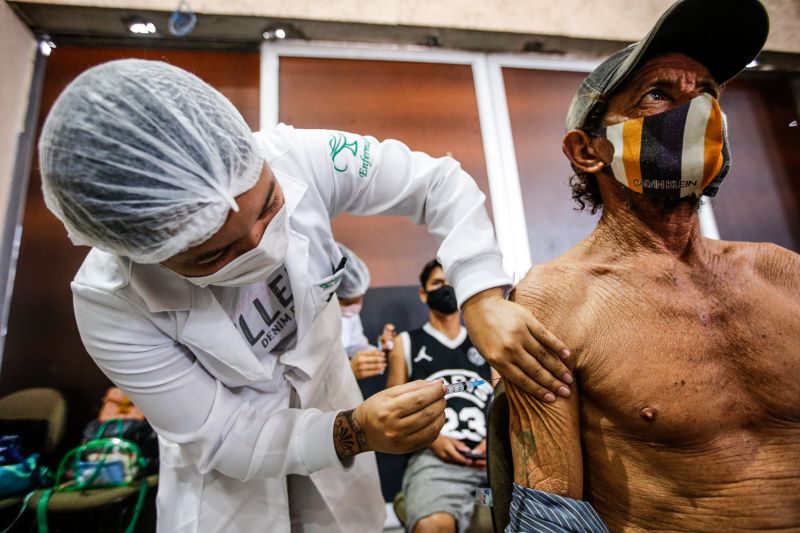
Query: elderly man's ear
x=587, y=153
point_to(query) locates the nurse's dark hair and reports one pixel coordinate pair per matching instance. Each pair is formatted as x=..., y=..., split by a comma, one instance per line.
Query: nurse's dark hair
x=426, y=271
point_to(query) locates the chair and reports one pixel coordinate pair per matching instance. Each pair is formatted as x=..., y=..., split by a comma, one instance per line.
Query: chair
x=101, y=510
x=499, y=459
x=35, y=404
x=38, y=404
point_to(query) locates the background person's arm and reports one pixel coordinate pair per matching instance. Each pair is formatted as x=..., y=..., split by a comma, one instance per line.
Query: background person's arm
x=398, y=369
x=368, y=363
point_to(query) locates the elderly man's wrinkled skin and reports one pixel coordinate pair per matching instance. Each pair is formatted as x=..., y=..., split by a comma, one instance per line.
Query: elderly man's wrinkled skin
x=686, y=354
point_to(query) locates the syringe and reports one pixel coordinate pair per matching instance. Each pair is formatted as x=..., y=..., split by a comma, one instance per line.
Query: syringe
x=466, y=386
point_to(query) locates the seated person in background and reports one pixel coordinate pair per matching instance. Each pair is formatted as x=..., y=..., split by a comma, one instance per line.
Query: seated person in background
x=685, y=349
x=365, y=360
x=439, y=483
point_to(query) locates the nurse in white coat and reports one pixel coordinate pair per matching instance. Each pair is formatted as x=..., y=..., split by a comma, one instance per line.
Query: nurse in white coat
x=208, y=295
x=366, y=360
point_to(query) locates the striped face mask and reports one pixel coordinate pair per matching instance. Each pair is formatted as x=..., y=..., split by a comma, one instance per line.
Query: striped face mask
x=681, y=152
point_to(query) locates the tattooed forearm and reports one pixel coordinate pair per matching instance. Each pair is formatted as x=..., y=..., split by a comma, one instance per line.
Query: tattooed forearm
x=348, y=437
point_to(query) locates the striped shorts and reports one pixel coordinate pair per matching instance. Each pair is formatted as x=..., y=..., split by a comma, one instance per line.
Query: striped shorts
x=535, y=511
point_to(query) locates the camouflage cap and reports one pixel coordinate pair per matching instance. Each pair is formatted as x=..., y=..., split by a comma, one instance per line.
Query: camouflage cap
x=723, y=35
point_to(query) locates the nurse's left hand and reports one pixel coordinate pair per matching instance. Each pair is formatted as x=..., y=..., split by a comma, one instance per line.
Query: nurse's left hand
x=399, y=419
x=517, y=345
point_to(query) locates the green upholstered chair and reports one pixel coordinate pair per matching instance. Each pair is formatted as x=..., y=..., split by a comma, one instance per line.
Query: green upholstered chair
x=100, y=510
x=33, y=404
x=38, y=404
x=106, y=510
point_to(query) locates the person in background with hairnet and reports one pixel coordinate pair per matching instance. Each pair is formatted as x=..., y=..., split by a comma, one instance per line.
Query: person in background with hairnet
x=207, y=294
x=365, y=359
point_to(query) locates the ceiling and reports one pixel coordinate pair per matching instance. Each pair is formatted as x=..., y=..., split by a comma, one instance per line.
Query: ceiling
x=96, y=26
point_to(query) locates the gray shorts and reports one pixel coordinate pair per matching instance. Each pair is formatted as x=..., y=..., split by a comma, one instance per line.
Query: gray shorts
x=433, y=486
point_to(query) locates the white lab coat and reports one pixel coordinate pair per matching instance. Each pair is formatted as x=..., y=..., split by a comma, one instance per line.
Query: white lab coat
x=232, y=426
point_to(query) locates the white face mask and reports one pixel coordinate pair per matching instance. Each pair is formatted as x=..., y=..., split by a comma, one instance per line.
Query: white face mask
x=256, y=265
x=351, y=310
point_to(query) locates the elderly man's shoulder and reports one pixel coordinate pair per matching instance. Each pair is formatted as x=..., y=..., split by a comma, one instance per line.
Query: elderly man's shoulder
x=771, y=263
x=557, y=289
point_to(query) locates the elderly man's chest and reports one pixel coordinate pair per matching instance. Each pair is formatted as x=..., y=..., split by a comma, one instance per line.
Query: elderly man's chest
x=678, y=368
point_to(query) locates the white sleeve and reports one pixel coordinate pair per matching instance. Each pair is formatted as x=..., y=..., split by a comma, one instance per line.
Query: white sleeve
x=406, y=339
x=360, y=175
x=216, y=428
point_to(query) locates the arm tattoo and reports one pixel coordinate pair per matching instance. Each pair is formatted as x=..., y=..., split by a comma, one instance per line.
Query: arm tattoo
x=525, y=445
x=348, y=437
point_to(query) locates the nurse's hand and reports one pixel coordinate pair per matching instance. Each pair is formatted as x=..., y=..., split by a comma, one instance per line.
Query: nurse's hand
x=368, y=363
x=517, y=345
x=400, y=419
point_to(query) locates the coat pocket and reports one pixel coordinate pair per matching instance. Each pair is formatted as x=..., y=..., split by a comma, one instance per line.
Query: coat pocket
x=324, y=290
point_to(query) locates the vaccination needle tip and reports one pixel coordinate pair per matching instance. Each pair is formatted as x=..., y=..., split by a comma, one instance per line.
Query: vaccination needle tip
x=468, y=386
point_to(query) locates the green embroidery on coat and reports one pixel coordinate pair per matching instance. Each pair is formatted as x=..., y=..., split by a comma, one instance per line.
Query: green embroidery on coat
x=337, y=143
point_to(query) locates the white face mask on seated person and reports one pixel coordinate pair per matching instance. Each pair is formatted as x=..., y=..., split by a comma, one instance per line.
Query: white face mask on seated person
x=257, y=264
x=349, y=311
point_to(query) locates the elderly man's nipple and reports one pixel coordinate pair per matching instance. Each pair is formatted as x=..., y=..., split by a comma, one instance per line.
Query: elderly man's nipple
x=649, y=413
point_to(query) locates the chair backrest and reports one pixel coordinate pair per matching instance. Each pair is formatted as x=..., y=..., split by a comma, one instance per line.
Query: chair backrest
x=38, y=404
x=500, y=464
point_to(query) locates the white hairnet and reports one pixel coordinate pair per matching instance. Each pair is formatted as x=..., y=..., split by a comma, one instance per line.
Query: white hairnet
x=355, y=280
x=143, y=159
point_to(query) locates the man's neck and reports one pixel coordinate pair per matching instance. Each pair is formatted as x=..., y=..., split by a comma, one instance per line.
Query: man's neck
x=632, y=224
x=450, y=324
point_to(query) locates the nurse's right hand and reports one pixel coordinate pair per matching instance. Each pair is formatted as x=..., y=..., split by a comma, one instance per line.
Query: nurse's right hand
x=400, y=419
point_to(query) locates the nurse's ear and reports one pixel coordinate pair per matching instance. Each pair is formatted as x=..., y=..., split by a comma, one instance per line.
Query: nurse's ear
x=587, y=153
x=423, y=295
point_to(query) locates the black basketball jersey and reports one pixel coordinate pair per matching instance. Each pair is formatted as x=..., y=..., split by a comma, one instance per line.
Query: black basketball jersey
x=431, y=355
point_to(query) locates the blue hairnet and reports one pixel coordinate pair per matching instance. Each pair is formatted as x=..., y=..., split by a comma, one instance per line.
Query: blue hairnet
x=355, y=280
x=143, y=159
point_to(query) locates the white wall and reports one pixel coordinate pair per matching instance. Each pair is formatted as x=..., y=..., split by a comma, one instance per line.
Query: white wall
x=616, y=20
x=17, y=55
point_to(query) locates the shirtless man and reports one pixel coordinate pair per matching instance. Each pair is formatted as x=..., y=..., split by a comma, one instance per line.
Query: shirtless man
x=686, y=350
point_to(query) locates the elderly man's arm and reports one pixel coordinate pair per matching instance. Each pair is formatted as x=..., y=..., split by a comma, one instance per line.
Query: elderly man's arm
x=545, y=437
x=545, y=443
